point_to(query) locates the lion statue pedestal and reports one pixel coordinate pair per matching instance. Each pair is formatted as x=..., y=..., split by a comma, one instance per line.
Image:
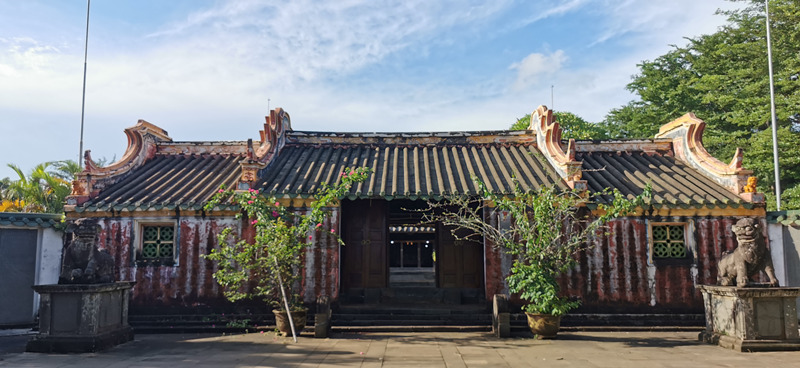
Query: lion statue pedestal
x=746, y=316
x=87, y=311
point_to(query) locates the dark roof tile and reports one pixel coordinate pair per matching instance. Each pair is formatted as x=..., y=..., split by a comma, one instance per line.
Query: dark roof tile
x=408, y=170
x=168, y=181
x=674, y=183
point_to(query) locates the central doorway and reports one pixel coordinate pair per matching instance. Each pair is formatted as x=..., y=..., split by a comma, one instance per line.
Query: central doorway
x=412, y=246
x=389, y=250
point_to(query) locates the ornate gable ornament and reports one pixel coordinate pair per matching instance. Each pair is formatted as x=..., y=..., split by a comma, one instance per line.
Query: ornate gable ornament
x=273, y=136
x=272, y=139
x=686, y=133
x=142, y=146
x=548, y=139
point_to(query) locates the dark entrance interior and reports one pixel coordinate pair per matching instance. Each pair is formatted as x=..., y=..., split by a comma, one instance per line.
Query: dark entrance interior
x=390, y=256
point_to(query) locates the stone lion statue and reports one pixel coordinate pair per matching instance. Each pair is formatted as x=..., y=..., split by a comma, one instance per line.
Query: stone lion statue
x=83, y=263
x=748, y=259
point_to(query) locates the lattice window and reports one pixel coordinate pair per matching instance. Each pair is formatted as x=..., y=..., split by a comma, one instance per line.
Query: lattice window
x=669, y=242
x=158, y=245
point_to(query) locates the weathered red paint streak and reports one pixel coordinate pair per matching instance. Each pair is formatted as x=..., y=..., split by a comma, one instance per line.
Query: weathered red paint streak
x=610, y=276
x=493, y=264
x=321, y=273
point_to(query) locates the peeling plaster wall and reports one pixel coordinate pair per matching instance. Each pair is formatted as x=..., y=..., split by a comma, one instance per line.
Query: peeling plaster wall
x=188, y=284
x=322, y=267
x=615, y=275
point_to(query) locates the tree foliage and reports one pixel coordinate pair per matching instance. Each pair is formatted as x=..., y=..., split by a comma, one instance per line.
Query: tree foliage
x=541, y=229
x=572, y=126
x=271, y=260
x=42, y=190
x=723, y=78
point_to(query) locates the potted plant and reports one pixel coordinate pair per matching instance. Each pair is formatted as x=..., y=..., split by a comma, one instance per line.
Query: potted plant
x=543, y=230
x=266, y=263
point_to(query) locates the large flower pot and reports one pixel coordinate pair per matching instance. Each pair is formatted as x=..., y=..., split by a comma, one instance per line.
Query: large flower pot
x=544, y=326
x=282, y=321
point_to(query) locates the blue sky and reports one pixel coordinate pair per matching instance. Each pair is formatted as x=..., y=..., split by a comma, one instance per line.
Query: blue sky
x=204, y=70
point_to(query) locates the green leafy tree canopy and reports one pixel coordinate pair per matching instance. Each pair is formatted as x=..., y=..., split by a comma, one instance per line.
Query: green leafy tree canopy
x=723, y=78
x=572, y=126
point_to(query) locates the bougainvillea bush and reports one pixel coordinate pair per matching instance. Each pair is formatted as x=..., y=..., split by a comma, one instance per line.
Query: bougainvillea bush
x=257, y=268
x=545, y=229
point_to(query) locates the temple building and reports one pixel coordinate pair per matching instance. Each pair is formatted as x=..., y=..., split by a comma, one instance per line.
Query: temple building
x=150, y=205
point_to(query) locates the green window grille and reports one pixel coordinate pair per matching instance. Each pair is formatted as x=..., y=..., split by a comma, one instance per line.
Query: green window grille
x=669, y=241
x=158, y=242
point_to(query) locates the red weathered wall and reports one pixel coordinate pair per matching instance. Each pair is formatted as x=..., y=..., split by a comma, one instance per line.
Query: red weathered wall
x=189, y=284
x=614, y=274
x=321, y=274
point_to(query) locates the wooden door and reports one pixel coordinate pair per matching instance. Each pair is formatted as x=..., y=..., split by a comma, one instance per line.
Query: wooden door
x=459, y=262
x=364, y=262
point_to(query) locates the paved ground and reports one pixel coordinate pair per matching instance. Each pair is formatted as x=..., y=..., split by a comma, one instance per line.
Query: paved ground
x=582, y=349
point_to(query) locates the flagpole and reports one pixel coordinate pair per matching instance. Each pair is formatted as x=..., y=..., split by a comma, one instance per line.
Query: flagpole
x=772, y=111
x=83, y=97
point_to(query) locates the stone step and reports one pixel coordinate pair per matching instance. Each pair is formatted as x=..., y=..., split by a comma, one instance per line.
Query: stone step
x=412, y=309
x=603, y=320
x=200, y=323
x=421, y=328
x=418, y=316
x=412, y=322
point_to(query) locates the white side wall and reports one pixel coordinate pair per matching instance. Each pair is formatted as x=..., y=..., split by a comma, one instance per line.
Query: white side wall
x=776, y=247
x=784, y=242
x=48, y=260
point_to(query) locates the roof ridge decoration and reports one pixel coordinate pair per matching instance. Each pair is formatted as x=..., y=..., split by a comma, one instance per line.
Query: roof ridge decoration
x=272, y=139
x=273, y=136
x=686, y=133
x=548, y=139
x=142, y=141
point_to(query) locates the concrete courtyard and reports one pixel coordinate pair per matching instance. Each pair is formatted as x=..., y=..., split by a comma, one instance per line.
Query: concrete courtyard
x=571, y=349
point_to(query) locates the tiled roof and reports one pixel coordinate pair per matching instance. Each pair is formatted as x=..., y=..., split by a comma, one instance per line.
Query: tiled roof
x=674, y=183
x=169, y=181
x=22, y=219
x=408, y=168
x=788, y=218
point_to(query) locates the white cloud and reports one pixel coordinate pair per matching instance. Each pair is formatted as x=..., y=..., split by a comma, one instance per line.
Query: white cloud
x=535, y=65
x=659, y=22
x=306, y=40
x=209, y=76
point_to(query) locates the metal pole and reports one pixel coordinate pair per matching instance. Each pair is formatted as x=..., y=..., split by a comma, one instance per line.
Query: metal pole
x=83, y=97
x=774, y=120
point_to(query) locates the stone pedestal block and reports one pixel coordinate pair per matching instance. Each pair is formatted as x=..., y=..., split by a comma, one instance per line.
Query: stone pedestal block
x=82, y=318
x=751, y=319
x=501, y=319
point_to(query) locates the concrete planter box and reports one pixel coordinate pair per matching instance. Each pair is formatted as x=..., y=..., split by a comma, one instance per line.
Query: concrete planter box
x=751, y=319
x=82, y=318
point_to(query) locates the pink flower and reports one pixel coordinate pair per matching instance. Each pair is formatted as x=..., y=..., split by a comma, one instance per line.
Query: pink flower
x=274, y=213
x=333, y=231
x=310, y=237
x=319, y=224
x=249, y=202
x=221, y=191
x=352, y=172
x=250, y=190
x=253, y=222
x=255, y=191
x=277, y=204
